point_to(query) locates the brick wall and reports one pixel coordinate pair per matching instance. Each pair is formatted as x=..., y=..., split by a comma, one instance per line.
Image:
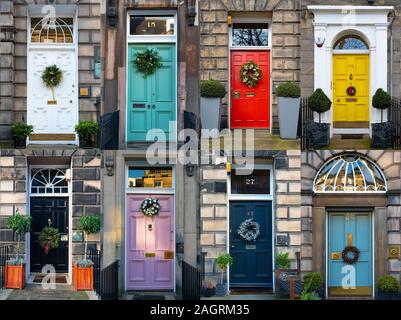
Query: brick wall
x=214, y=40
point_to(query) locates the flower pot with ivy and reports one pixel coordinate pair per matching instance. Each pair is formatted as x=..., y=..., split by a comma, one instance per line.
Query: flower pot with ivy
x=15, y=268
x=20, y=132
x=289, y=102
x=388, y=288
x=49, y=239
x=83, y=268
x=224, y=260
x=312, y=286
x=318, y=134
x=382, y=132
x=52, y=77
x=87, y=131
x=209, y=288
x=212, y=92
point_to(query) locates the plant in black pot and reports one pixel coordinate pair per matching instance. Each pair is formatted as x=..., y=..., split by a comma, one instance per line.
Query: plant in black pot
x=224, y=260
x=312, y=286
x=20, y=131
x=87, y=131
x=388, y=288
x=212, y=92
x=319, y=133
x=209, y=288
x=381, y=132
x=289, y=100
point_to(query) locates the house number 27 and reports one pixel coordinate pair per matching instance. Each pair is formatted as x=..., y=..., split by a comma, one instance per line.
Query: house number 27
x=250, y=181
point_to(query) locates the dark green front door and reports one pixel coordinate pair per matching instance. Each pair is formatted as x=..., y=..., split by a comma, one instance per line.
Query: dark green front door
x=151, y=101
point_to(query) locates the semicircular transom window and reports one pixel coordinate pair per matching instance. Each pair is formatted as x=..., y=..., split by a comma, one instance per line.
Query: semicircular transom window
x=48, y=181
x=52, y=30
x=349, y=173
x=351, y=42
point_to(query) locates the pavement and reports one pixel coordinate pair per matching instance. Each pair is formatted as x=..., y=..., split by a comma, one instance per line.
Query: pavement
x=37, y=292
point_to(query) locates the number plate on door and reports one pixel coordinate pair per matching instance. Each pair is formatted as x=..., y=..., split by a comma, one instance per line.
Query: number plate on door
x=138, y=105
x=168, y=255
x=150, y=255
x=250, y=247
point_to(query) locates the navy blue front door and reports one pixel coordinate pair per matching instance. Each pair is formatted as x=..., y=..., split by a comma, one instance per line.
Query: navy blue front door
x=252, y=260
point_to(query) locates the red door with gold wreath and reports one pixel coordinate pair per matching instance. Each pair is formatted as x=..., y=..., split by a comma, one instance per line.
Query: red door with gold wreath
x=250, y=104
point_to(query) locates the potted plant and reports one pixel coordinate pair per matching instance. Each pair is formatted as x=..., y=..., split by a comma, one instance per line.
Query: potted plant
x=20, y=131
x=319, y=133
x=224, y=260
x=15, y=268
x=209, y=288
x=49, y=238
x=388, y=288
x=211, y=93
x=87, y=131
x=83, y=268
x=312, y=286
x=289, y=102
x=381, y=132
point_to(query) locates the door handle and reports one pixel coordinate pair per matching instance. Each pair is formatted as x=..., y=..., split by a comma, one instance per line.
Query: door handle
x=148, y=106
x=153, y=106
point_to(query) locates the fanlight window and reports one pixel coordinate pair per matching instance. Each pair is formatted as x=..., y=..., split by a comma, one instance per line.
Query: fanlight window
x=52, y=30
x=349, y=173
x=351, y=43
x=48, y=181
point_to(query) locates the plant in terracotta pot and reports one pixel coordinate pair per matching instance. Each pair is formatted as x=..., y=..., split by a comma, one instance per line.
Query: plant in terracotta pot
x=83, y=268
x=289, y=103
x=388, y=288
x=312, y=286
x=319, y=133
x=20, y=131
x=49, y=238
x=381, y=132
x=87, y=131
x=15, y=268
x=224, y=260
x=212, y=92
x=209, y=288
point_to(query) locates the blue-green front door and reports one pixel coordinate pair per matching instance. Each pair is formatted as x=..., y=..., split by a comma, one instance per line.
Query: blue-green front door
x=151, y=100
x=350, y=229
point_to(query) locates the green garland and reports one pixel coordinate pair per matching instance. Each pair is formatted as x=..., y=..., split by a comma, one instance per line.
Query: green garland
x=52, y=77
x=250, y=74
x=147, y=62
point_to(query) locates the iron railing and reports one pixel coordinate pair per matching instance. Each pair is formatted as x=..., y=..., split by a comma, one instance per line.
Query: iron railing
x=395, y=118
x=96, y=257
x=306, y=117
x=4, y=251
x=109, y=125
x=191, y=282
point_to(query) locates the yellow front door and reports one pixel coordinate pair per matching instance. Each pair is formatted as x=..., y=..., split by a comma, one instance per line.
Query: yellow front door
x=351, y=89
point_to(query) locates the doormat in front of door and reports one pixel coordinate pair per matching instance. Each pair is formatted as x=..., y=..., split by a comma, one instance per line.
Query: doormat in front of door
x=59, y=279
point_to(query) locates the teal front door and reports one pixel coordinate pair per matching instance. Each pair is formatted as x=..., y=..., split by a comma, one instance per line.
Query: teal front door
x=350, y=229
x=151, y=100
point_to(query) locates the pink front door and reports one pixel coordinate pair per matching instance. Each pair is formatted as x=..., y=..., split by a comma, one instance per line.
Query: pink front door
x=150, y=245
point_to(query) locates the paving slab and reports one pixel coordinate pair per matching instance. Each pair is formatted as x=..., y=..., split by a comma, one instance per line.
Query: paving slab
x=37, y=292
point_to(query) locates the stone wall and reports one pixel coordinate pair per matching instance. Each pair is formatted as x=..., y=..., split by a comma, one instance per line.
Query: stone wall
x=214, y=40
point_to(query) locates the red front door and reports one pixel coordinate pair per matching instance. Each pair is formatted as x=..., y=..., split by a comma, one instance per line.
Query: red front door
x=250, y=107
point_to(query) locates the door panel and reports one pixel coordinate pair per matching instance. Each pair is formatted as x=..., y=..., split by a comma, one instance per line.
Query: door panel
x=43, y=209
x=252, y=261
x=250, y=107
x=351, y=70
x=342, y=228
x=151, y=100
x=148, y=239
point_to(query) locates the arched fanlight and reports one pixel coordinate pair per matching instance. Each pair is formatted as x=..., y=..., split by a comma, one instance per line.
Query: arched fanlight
x=349, y=173
x=351, y=42
x=48, y=181
x=52, y=30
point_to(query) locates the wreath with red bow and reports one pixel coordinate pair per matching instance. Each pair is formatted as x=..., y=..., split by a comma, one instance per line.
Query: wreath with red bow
x=351, y=91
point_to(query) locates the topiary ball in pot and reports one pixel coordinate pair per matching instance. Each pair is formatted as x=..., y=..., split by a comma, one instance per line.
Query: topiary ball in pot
x=319, y=102
x=289, y=105
x=210, y=110
x=288, y=90
x=381, y=100
x=212, y=89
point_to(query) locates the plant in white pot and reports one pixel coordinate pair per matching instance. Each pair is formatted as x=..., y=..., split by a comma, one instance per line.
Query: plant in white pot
x=289, y=102
x=211, y=93
x=224, y=260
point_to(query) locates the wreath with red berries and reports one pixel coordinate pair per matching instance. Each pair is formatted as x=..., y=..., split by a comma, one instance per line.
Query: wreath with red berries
x=350, y=255
x=351, y=91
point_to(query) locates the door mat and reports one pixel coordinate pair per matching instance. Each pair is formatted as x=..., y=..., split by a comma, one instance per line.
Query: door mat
x=148, y=297
x=351, y=136
x=250, y=291
x=59, y=279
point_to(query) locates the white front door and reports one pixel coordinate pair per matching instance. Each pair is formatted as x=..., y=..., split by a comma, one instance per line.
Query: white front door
x=53, y=120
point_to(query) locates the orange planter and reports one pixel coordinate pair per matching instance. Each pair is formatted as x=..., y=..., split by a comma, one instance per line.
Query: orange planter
x=15, y=276
x=82, y=278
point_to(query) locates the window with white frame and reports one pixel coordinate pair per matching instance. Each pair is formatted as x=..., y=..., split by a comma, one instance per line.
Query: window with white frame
x=144, y=177
x=140, y=25
x=52, y=30
x=250, y=35
x=48, y=181
x=257, y=182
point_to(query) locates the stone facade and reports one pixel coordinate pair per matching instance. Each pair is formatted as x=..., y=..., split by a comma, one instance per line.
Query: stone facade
x=285, y=45
x=13, y=56
x=286, y=210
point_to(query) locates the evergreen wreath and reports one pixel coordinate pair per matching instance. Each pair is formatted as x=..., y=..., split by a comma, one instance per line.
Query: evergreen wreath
x=150, y=207
x=147, y=62
x=49, y=238
x=249, y=230
x=52, y=77
x=250, y=74
x=350, y=255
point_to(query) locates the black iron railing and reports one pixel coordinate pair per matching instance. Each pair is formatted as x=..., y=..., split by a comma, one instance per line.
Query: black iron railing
x=109, y=125
x=306, y=117
x=4, y=251
x=191, y=282
x=395, y=118
x=96, y=257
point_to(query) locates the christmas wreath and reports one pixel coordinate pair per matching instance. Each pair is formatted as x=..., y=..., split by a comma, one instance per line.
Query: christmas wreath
x=351, y=91
x=49, y=238
x=249, y=230
x=147, y=62
x=250, y=74
x=150, y=207
x=52, y=77
x=350, y=254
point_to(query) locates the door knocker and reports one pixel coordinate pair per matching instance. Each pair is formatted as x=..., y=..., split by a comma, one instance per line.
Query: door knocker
x=351, y=77
x=150, y=227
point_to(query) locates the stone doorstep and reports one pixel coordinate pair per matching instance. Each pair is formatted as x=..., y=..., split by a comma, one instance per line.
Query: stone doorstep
x=168, y=295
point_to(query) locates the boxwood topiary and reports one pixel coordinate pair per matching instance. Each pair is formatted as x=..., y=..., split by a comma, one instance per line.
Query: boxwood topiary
x=319, y=102
x=212, y=89
x=381, y=100
x=388, y=284
x=312, y=281
x=288, y=90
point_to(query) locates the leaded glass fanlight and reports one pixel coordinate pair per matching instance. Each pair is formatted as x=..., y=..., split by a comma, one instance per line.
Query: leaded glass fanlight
x=48, y=181
x=349, y=173
x=52, y=30
x=351, y=42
